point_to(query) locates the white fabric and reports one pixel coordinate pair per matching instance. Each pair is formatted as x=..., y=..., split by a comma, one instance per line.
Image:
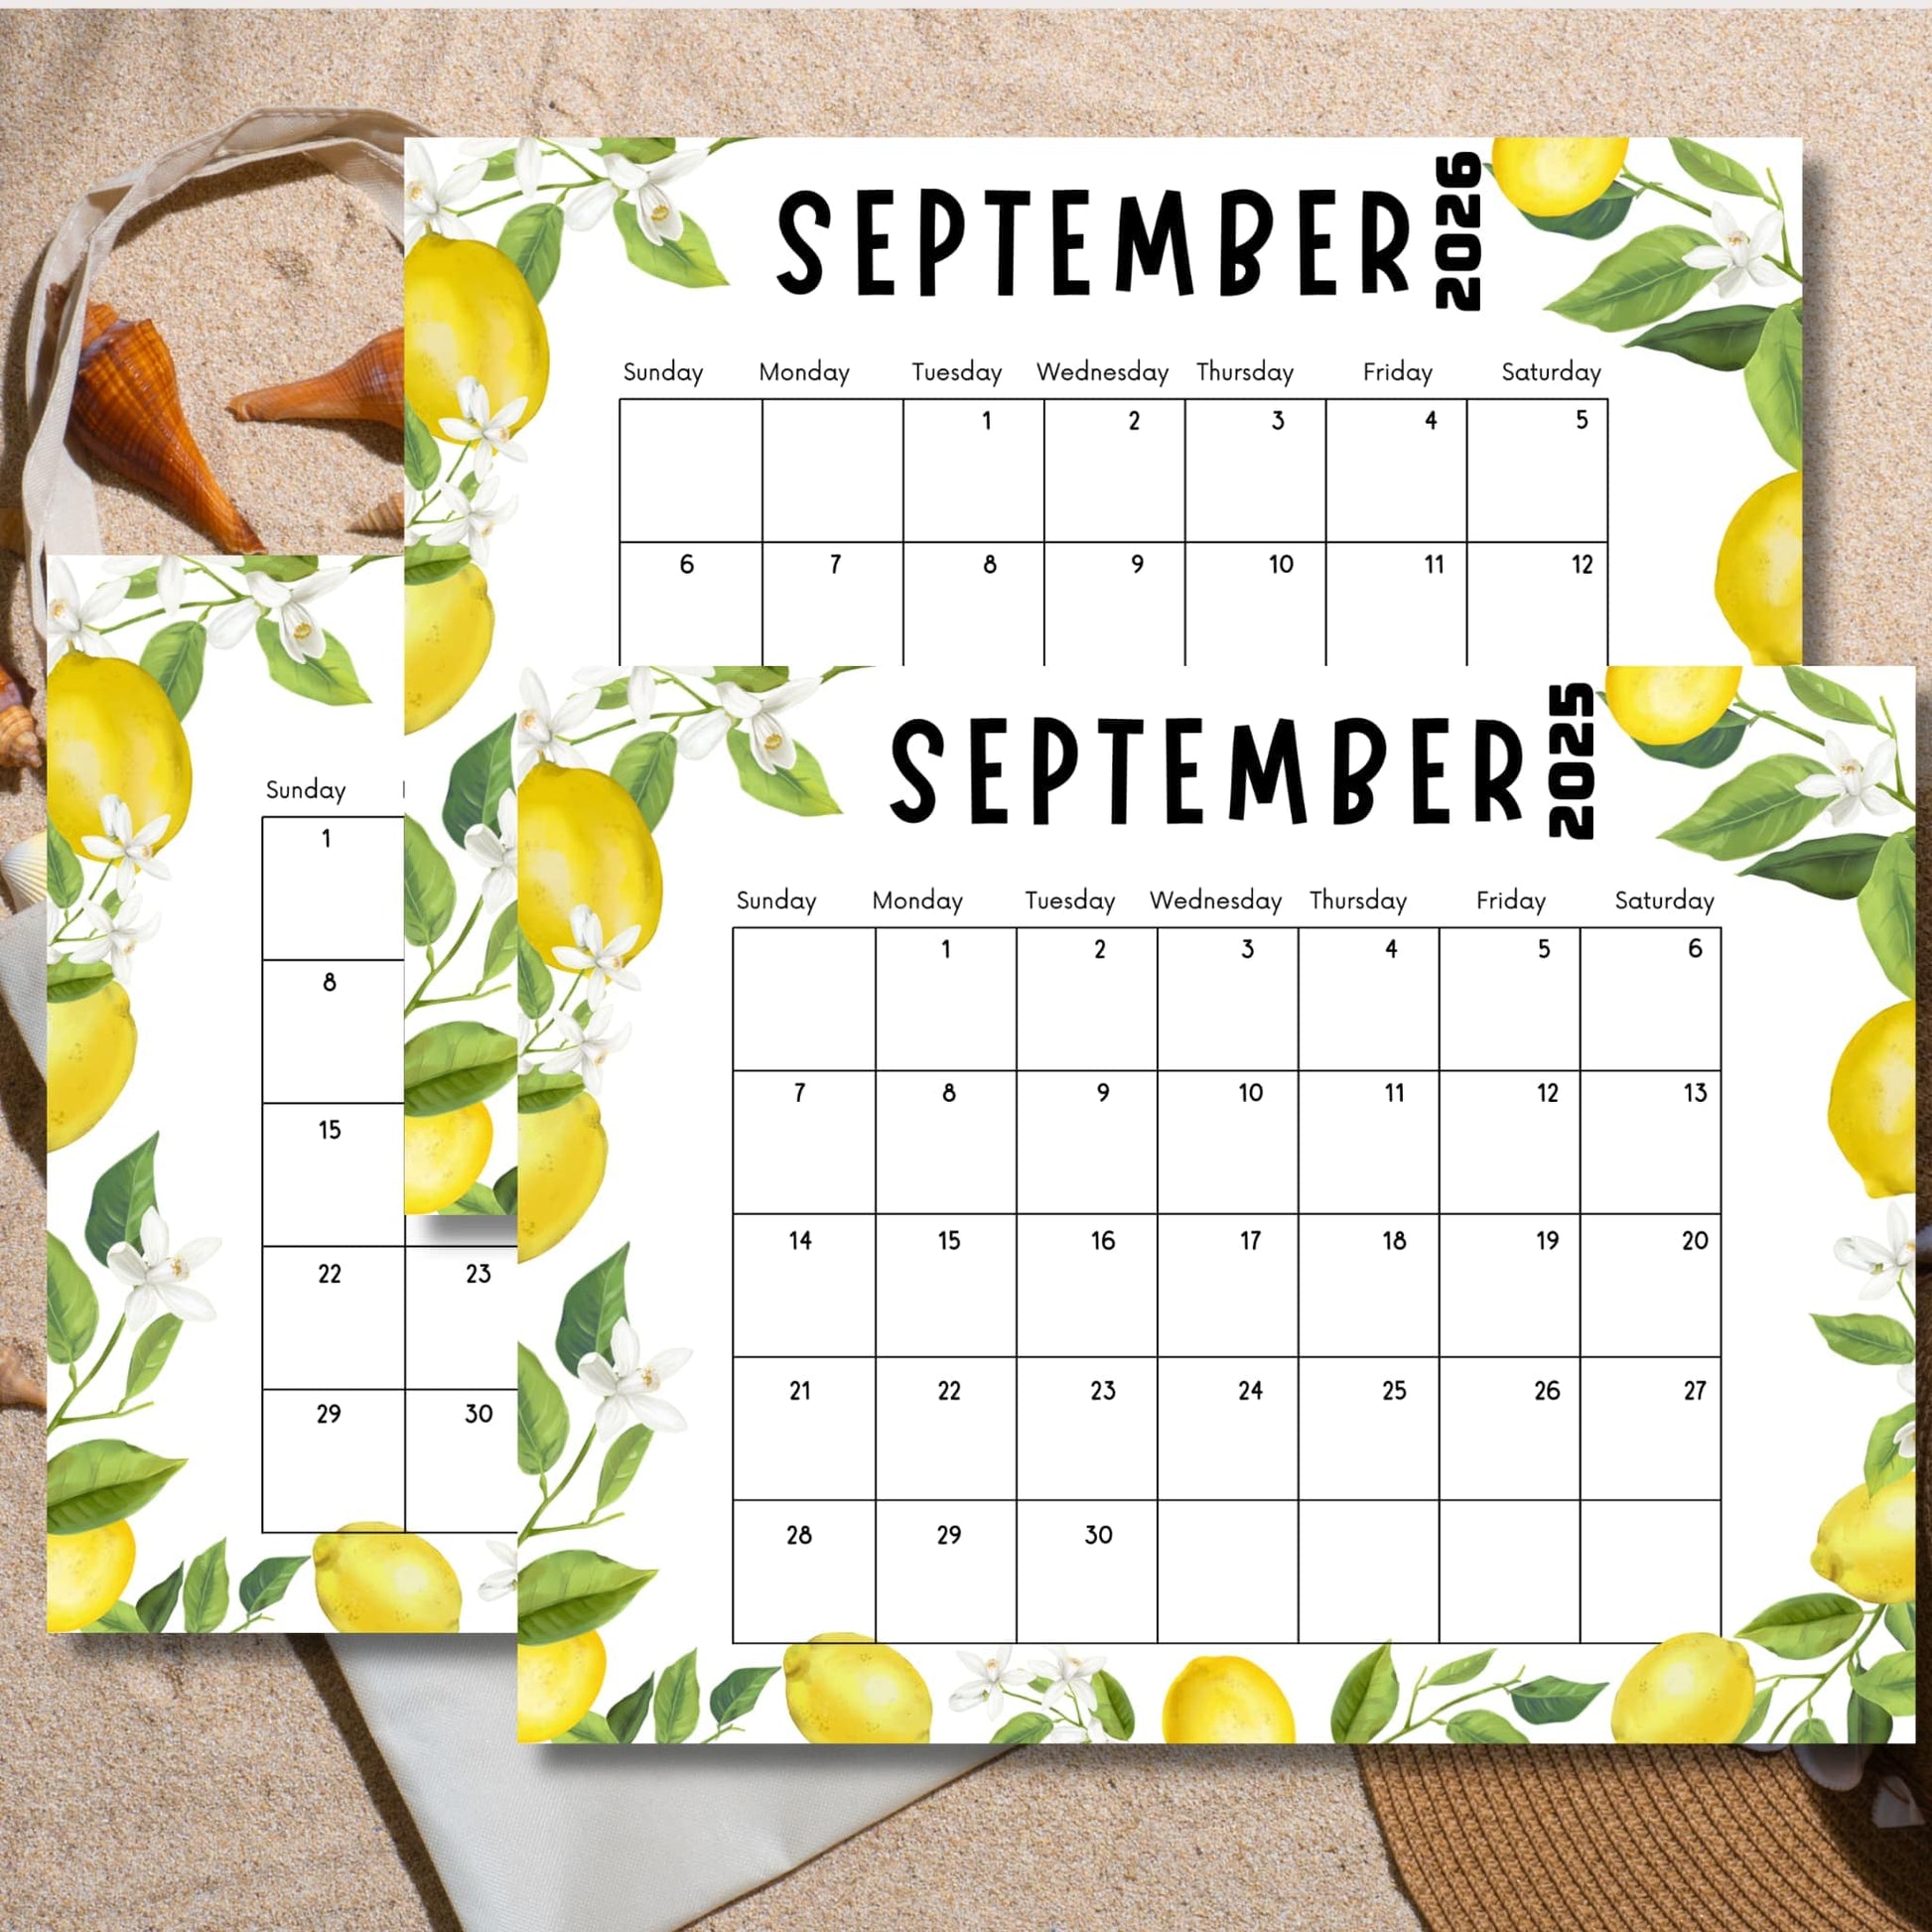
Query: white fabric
x=23, y=977
x=531, y=1838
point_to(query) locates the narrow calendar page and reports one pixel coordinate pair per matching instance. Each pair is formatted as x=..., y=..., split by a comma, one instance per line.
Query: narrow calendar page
x=1122, y=405
x=1358, y=1208
x=253, y=1426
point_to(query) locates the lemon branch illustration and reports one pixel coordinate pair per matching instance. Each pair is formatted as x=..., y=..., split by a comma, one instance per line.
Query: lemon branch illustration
x=1370, y=1697
x=1070, y=1690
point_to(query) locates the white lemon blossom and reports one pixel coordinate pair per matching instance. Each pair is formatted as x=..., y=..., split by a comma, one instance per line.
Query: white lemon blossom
x=1070, y=1673
x=73, y=619
x=1853, y=784
x=157, y=1279
x=1906, y=1440
x=474, y=521
x=588, y=1046
x=540, y=732
x=428, y=204
x=993, y=1676
x=658, y=213
x=1743, y=256
x=603, y=963
x=495, y=852
x=119, y=845
x=483, y=434
x=292, y=605
x=1884, y=1264
x=628, y=1386
x=116, y=934
x=756, y=715
x=639, y=685
x=500, y=1581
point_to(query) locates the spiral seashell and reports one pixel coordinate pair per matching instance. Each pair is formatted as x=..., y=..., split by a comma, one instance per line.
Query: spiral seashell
x=384, y=519
x=20, y=742
x=24, y=868
x=366, y=388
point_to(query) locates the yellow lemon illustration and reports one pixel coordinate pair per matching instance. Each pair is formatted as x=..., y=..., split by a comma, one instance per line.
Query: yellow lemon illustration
x=1761, y=583
x=1670, y=703
x=556, y=1684
x=1697, y=1688
x=376, y=1577
x=844, y=1689
x=89, y=1054
x=1225, y=1700
x=1875, y=1101
x=1551, y=177
x=582, y=841
x=468, y=311
x=1867, y=1546
x=560, y=1156
x=442, y=1156
x=86, y=1574
x=447, y=628
x=111, y=729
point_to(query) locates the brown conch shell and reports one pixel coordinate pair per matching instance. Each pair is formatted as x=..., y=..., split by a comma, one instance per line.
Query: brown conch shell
x=20, y=742
x=384, y=519
x=367, y=388
x=127, y=414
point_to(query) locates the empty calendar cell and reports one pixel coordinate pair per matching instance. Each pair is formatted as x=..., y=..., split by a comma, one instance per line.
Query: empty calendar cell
x=1257, y=607
x=1401, y=607
x=1087, y=1143
x=327, y=888
x=1255, y=472
x=823, y=598
x=832, y=470
x=803, y=1282
x=1396, y=471
x=1228, y=1428
x=461, y=1301
x=946, y=999
x=1534, y=606
x=981, y=603
x=708, y=492
x=802, y=1426
x=800, y=1567
x=1086, y=999
x=1509, y=1427
x=708, y=596
x=1509, y=1142
x=1651, y=997
x=1509, y=1284
x=1369, y=1283
x=1539, y=471
x=945, y=1281
x=1652, y=1143
x=1087, y=1568
x=332, y=1316
x=326, y=1029
x=329, y=1456
x=1369, y=997
x=1227, y=1573
x=802, y=1143
x=332, y=1174
x=1651, y=1282
x=945, y=1143
x=1087, y=1427
x=1116, y=610
x=1228, y=1000
x=1379, y=1553
x=945, y=1428
x=1650, y=1429
x=1510, y=1570
x=1650, y=1569
x=463, y=1471
x=1509, y=998
x=1083, y=1278
x=946, y=1572
x=1227, y=1142
x=1369, y=1144
x=1114, y=471
x=826, y=973
x=1232, y=1280
x=973, y=472
x=1369, y=1426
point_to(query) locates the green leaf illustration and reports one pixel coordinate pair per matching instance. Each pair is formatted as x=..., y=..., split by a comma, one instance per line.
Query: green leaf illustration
x=1774, y=381
x=752, y=677
x=1824, y=698
x=1709, y=749
x=1367, y=1698
x=621, y=1464
x=500, y=947
x=1029, y=1728
x=123, y=1619
x=1882, y=1462
x=1888, y=911
x=428, y=887
x=588, y=1730
x=475, y=1200
x=478, y=782
x=533, y=238
x=675, y=1713
x=687, y=262
x=543, y=1420
x=1482, y=1728
x=1751, y=813
x=802, y=789
x=1552, y=1699
x=501, y=166
x=1892, y=1684
x=1901, y=1620
x=143, y=584
x=1834, y=866
x=569, y=1591
x=123, y=1195
x=429, y=563
x=1760, y=1705
x=422, y=460
x=1461, y=1671
x=1814, y=1731
x=1714, y=338
x=99, y=1482
x=204, y=1598
x=643, y=149
x=541, y=1093
x=69, y=980
x=646, y=767
x=1874, y=1339
x=535, y=989
x=64, y=878
x=1804, y=1626
x=154, y=1606
x=1112, y=1706
x=1715, y=171
x=284, y=570
x=1643, y=281
x=328, y=679
x=1865, y=1723
x=592, y=1306
x=627, y=1717
x=455, y=1064
x=738, y=1693
x=174, y=657
x=72, y=1308
x=505, y=1188
x=267, y=1584
x=149, y=1355
x=1592, y=222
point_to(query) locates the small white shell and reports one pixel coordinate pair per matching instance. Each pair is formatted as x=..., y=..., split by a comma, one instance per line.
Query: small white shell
x=24, y=868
